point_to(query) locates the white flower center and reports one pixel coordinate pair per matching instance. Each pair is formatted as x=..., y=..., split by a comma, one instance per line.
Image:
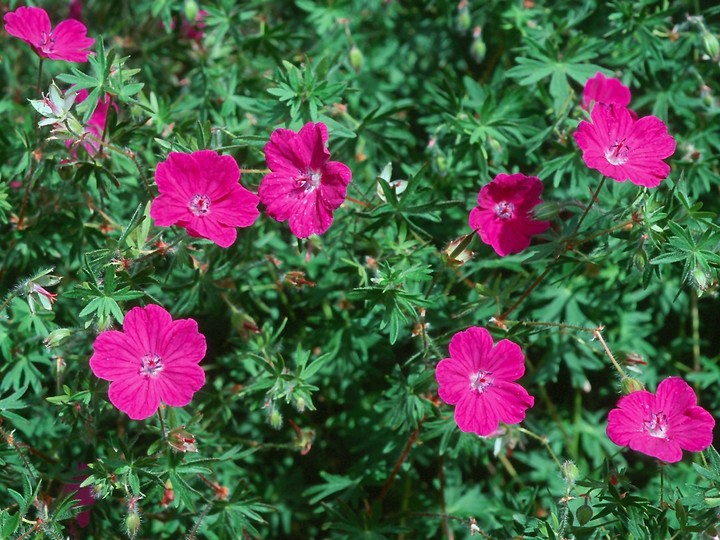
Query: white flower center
x=200, y=205
x=481, y=381
x=504, y=210
x=150, y=365
x=618, y=153
x=47, y=41
x=656, y=426
x=309, y=180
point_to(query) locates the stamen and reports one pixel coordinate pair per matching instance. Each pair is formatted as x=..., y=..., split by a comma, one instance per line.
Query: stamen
x=150, y=365
x=504, y=210
x=200, y=205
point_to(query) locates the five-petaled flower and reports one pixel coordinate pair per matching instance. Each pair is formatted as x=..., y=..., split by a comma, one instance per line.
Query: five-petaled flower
x=661, y=425
x=154, y=359
x=623, y=148
x=503, y=217
x=608, y=90
x=304, y=187
x=201, y=192
x=479, y=379
x=67, y=41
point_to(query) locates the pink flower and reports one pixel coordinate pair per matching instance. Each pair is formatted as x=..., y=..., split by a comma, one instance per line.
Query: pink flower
x=601, y=89
x=503, y=217
x=96, y=124
x=303, y=187
x=625, y=148
x=194, y=30
x=67, y=41
x=478, y=378
x=201, y=192
x=155, y=359
x=83, y=496
x=663, y=424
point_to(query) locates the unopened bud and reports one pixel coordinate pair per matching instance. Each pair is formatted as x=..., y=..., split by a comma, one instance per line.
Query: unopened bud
x=356, y=58
x=463, y=16
x=700, y=278
x=640, y=259
x=300, y=404
x=132, y=523
x=712, y=46
x=584, y=514
x=570, y=471
x=57, y=337
x=478, y=47
x=276, y=419
x=628, y=385
x=191, y=10
x=546, y=211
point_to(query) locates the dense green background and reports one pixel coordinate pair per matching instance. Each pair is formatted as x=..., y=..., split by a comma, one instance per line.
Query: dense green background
x=347, y=359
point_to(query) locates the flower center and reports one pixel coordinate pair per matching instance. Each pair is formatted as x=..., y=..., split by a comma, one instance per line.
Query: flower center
x=200, y=205
x=481, y=381
x=47, y=41
x=617, y=154
x=309, y=180
x=657, y=425
x=504, y=210
x=150, y=365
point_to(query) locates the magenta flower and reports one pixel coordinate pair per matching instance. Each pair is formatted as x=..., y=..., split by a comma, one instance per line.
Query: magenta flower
x=201, y=192
x=625, y=148
x=503, y=217
x=155, y=359
x=601, y=89
x=303, y=187
x=478, y=378
x=67, y=41
x=95, y=126
x=662, y=425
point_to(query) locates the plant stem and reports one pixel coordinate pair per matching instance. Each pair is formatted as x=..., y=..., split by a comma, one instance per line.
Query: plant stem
x=598, y=335
x=524, y=295
x=39, y=77
x=545, y=443
x=162, y=424
x=589, y=206
x=695, y=315
x=255, y=171
x=399, y=462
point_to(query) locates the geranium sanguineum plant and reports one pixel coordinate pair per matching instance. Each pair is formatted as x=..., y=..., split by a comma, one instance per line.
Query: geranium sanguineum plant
x=67, y=41
x=663, y=424
x=625, y=148
x=95, y=127
x=201, y=192
x=608, y=90
x=503, y=217
x=155, y=359
x=304, y=187
x=479, y=379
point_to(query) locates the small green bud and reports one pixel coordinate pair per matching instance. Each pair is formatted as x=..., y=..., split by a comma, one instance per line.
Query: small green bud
x=300, y=404
x=570, y=471
x=712, y=46
x=478, y=49
x=640, y=259
x=56, y=337
x=191, y=10
x=546, y=211
x=584, y=514
x=132, y=523
x=276, y=419
x=629, y=385
x=356, y=58
x=700, y=278
x=463, y=16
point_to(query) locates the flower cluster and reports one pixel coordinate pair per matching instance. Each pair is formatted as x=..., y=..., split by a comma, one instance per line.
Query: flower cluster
x=616, y=142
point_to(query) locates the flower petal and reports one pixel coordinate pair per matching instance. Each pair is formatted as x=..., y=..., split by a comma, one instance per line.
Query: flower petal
x=694, y=430
x=115, y=356
x=178, y=382
x=673, y=397
x=137, y=397
x=471, y=348
x=70, y=42
x=28, y=24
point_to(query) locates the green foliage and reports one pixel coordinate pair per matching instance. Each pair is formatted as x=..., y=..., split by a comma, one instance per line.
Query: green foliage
x=320, y=416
